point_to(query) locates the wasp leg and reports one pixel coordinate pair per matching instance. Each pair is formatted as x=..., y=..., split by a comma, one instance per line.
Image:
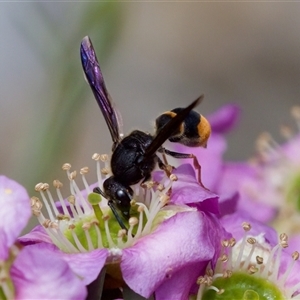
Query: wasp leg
x=110, y=203
x=164, y=165
x=196, y=164
x=162, y=150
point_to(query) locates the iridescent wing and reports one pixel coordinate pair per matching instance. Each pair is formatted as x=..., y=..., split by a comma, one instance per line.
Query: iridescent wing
x=95, y=79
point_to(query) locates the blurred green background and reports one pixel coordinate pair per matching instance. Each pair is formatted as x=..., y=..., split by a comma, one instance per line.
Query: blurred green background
x=154, y=56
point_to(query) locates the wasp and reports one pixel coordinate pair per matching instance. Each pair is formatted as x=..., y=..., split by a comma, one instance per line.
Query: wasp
x=134, y=157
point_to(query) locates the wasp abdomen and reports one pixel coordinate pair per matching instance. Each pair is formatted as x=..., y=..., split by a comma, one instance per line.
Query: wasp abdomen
x=194, y=131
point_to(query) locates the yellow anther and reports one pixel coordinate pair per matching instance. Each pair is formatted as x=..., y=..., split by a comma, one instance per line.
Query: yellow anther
x=84, y=170
x=246, y=226
x=66, y=167
x=57, y=184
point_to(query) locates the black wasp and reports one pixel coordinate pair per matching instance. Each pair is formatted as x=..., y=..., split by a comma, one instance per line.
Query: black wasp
x=135, y=156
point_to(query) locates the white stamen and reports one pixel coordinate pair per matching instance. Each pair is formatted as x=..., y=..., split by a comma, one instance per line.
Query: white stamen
x=57, y=184
x=96, y=157
x=252, y=242
x=121, y=235
x=140, y=226
x=218, y=275
x=232, y=242
x=145, y=208
x=46, y=187
x=239, y=258
x=86, y=228
x=76, y=240
x=132, y=222
x=99, y=237
x=72, y=200
x=290, y=267
x=49, y=231
x=218, y=291
x=147, y=197
x=152, y=215
x=111, y=243
x=64, y=242
x=47, y=206
x=84, y=171
x=153, y=204
x=200, y=292
x=275, y=273
x=71, y=177
x=83, y=203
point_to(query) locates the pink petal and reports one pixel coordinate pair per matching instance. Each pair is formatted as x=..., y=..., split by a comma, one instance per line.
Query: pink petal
x=224, y=119
x=38, y=274
x=178, y=286
x=14, y=213
x=186, y=190
x=187, y=238
x=245, y=179
x=233, y=224
x=86, y=265
x=37, y=235
x=228, y=203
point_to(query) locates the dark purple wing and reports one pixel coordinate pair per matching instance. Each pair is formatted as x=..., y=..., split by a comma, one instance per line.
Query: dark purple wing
x=95, y=79
x=170, y=127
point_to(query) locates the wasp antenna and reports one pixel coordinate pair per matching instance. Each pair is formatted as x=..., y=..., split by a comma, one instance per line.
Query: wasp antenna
x=97, y=190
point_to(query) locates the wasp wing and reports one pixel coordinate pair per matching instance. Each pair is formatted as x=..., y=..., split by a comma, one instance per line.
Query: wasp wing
x=95, y=79
x=170, y=127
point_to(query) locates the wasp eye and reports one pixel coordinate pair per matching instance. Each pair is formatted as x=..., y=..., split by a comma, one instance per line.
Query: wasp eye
x=123, y=196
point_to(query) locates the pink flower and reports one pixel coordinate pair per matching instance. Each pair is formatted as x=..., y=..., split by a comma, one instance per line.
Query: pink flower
x=255, y=263
x=31, y=272
x=171, y=232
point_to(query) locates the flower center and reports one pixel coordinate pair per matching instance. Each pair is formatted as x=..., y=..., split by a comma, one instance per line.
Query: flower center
x=279, y=168
x=84, y=222
x=249, y=269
